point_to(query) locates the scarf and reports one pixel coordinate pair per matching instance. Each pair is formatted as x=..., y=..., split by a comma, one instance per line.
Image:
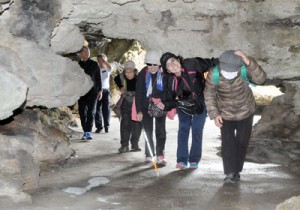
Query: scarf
x=158, y=80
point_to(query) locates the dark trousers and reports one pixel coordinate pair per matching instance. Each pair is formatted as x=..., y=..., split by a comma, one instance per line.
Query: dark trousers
x=103, y=110
x=130, y=129
x=235, y=139
x=160, y=134
x=87, y=109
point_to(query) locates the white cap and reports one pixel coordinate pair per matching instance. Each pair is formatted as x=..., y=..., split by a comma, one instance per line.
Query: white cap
x=153, y=57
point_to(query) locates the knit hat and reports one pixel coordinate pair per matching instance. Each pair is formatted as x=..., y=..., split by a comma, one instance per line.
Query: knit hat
x=230, y=62
x=152, y=57
x=164, y=58
x=129, y=65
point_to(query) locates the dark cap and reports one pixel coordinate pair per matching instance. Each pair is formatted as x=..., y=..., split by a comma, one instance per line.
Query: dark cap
x=230, y=62
x=164, y=58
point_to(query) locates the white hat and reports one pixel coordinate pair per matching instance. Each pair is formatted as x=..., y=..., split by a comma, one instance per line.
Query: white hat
x=153, y=57
x=130, y=65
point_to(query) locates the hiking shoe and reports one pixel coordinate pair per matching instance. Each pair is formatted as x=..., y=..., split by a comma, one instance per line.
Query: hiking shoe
x=181, y=165
x=237, y=177
x=124, y=149
x=193, y=165
x=83, y=137
x=88, y=135
x=135, y=149
x=148, y=159
x=230, y=179
x=98, y=130
x=161, y=160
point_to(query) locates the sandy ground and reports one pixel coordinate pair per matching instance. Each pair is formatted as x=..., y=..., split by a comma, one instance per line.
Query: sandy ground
x=99, y=178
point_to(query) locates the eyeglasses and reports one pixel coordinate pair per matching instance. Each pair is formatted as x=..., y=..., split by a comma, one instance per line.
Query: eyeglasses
x=149, y=64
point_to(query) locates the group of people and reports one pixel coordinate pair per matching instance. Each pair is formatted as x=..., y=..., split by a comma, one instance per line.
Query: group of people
x=194, y=87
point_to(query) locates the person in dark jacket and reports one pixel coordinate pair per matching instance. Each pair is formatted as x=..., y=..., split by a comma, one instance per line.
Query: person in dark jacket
x=150, y=89
x=130, y=130
x=185, y=92
x=230, y=103
x=87, y=103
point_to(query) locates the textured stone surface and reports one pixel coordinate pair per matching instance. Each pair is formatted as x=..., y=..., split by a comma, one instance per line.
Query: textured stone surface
x=290, y=204
x=276, y=137
x=32, y=143
x=190, y=28
x=34, y=33
x=12, y=93
x=51, y=79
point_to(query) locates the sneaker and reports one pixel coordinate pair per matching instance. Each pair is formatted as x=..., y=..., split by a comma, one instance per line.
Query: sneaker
x=181, y=165
x=230, y=179
x=83, y=137
x=88, y=135
x=193, y=165
x=123, y=149
x=135, y=149
x=161, y=160
x=98, y=130
x=237, y=177
x=148, y=160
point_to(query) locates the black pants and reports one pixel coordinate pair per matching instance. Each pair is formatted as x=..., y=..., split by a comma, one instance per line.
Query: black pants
x=103, y=110
x=130, y=129
x=87, y=109
x=235, y=139
x=160, y=134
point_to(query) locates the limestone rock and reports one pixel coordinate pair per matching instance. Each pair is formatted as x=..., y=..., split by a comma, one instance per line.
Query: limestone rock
x=39, y=141
x=276, y=137
x=52, y=80
x=185, y=27
x=290, y=204
x=12, y=93
x=66, y=38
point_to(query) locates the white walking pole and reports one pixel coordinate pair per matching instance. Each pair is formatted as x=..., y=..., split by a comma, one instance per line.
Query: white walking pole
x=151, y=153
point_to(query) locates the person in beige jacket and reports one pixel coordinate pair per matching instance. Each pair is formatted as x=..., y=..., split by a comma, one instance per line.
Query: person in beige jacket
x=230, y=103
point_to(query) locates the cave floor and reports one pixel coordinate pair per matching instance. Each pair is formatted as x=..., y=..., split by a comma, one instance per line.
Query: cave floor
x=99, y=178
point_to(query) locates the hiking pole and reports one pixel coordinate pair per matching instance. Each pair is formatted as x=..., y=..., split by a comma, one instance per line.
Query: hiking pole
x=151, y=153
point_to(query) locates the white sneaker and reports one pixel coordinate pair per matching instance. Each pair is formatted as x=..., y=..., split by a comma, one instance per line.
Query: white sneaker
x=148, y=159
x=161, y=160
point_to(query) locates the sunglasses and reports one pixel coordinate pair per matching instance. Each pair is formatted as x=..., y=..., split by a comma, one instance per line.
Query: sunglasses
x=149, y=64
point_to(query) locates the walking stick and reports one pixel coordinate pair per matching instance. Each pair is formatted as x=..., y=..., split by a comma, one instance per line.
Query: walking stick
x=151, y=153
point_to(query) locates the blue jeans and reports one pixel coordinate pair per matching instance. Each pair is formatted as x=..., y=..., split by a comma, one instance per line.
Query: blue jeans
x=186, y=122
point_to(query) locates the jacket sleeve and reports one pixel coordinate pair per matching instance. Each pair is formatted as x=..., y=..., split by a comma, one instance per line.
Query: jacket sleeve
x=210, y=95
x=169, y=95
x=255, y=73
x=204, y=64
x=140, y=92
x=97, y=77
x=118, y=81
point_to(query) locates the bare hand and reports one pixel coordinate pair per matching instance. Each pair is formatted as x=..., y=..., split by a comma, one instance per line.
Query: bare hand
x=122, y=90
x=160, y=105
x=99, y=95
x=140, y=117
x=244, y=57
x=219, y=121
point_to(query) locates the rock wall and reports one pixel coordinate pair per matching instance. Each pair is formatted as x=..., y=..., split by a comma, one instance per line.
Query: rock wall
x=35, y=34
x=276, y=138
x=31, y=143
